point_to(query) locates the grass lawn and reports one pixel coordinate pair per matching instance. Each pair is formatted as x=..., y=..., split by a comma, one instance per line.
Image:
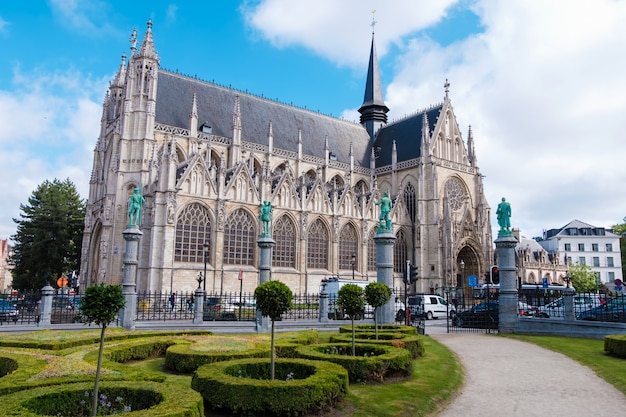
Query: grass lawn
x=588, y=352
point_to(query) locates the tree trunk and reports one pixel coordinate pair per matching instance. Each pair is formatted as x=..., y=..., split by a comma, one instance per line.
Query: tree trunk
x=353, y=337
x=94, y=401
x=376, y=312
x=272, y=354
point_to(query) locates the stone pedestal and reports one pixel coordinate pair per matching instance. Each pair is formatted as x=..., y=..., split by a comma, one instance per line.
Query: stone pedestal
x=45, y=308
x=266, y=243
x=129, y=284
x=568, y=304
x=198, y=307
x=324, y=306
x=508, y=284
x=384, y=272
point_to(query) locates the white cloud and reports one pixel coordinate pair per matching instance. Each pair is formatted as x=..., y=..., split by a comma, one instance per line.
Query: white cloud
x=49, y=124
x=542, y=86
x=3, y=25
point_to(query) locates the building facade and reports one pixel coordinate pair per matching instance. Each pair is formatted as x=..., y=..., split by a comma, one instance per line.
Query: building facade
x=584, y=244
x=534, y=262
x=206, y=157
x=6, y=279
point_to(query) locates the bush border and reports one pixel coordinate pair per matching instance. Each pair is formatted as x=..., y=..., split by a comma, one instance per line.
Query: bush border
x=275, y=397
x=412, y=343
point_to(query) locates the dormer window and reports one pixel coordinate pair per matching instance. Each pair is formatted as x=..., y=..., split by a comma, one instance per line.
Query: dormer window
x=332, y=156
x=206, y=128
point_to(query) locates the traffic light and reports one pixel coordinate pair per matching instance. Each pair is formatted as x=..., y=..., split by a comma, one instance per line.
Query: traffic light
x=413, y=275
x=495, y=274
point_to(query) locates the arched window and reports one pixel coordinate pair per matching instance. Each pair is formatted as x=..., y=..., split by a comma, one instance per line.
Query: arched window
x=409, y=201
x=371, y=251
x=400, y=253
x=239, y=239
x=317, y=253
x=193, y=229
x=284, y=234
x=348, y=242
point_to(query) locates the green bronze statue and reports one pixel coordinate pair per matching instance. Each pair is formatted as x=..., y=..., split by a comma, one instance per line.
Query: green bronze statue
x=385, y=208
x=504, y=217
x=266, y=211
x=135, y=205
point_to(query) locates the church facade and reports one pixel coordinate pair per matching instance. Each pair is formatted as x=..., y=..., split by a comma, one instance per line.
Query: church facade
x=206, y=157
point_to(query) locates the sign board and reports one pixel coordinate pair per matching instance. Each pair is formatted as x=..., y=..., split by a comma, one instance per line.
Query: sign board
x=544, y=280
x=62, y=282
x=472, y=281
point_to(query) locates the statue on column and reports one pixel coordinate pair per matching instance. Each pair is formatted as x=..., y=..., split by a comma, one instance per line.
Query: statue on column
x=135, y=205
x=385, y=208
x=266, y=211
x=504, y=217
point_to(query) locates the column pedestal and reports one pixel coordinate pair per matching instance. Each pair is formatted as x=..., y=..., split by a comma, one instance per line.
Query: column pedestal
x=266, y=243
x=384, y=272
x=508, y=317
x=129, y=284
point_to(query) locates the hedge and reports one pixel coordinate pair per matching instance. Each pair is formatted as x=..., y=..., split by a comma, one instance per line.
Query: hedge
x=176, y=400
x=183, y=359
x=615, y=345
x=412, y=343
x=396, y=328
x=243, y=386
x=371, y=363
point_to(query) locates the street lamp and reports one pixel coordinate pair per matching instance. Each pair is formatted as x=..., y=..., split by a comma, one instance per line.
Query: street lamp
x=206, y=258
x=199, y=279
x=353, y=264
x=463, y=281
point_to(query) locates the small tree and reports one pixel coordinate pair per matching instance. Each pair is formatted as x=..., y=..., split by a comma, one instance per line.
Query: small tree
x=376, y=295
x=583, y=278
x=273, y=298
x=100, y=305
x=351, y=299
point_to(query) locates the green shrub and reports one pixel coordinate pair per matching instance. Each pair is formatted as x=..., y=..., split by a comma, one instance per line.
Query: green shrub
x=371, y=363
x=139, y=351
x=396, y=328
x=412, y=343
x=173, y=400
x=7, y=365
x=615, y=345
x=243, y=386
x=183, y=359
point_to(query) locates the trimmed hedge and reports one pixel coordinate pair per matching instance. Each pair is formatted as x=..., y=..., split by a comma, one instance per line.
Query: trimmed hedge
x=243, y=386
x=395, y=328
x=176, y=400
x=182, y=359
x=371, y=363
x=7, y=365
x=615, y=345
x=23, y=341
x=412, y=343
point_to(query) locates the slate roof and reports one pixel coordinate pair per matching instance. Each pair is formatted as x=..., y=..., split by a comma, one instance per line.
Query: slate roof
x=408, y=136
x=215, y=108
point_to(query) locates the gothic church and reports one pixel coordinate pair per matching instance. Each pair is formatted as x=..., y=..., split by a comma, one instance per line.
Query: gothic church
x=206, y=157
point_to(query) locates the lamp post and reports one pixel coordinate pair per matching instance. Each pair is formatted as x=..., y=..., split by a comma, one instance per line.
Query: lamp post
x=463, y=282
x=206, y=258
x=353, y=264
x=199, y=279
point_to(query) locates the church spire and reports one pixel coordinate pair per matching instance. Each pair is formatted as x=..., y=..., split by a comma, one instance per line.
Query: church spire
x=147, y=46
x=373, y=110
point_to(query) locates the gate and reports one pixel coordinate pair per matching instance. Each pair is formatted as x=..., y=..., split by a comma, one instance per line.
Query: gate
x=472, y=317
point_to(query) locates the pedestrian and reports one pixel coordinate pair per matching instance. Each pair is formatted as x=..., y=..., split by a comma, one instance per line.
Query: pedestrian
x=173, y=301
x=190, y=302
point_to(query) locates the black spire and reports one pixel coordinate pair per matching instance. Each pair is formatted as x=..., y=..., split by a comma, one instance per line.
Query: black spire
x=373, y=110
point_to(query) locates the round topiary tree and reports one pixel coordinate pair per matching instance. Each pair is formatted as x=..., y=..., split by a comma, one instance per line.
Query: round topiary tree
x=273, y=298
x=377, y=294
x=100, y=305
x=351, y=299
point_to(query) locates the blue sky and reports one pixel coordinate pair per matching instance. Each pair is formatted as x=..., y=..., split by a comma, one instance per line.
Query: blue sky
x=543, y=90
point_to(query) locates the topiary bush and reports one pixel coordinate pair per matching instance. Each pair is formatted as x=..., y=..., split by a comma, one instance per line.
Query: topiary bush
x=396, y=328
x=243, y=386
x=615, y=345
x=7, y=365
x=150, y=400
x=183, y=359
x=412, y=343
x=371, y=363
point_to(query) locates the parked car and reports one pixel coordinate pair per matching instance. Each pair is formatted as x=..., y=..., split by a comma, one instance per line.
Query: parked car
x=214, y=309
x=525, y=309
x=483, y=315
x=582, y=302
x=613, y=310
x=65, y=309
x=8, y=311
x=430, y=306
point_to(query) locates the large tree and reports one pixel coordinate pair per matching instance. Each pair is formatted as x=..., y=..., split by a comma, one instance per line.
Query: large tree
x=620, y=229
x=49, y=235
x=583, y=278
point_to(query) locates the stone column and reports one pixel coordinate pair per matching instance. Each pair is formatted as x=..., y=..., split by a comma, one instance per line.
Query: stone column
x=508, y=297
x=198, y=307
x=568, y=304
x=384, y=271
x=45, y=308
x=324, y=306
x=129, y=284
x=266, y=244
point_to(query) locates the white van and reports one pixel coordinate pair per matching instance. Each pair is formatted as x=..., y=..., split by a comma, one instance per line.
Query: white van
x=430, y=306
